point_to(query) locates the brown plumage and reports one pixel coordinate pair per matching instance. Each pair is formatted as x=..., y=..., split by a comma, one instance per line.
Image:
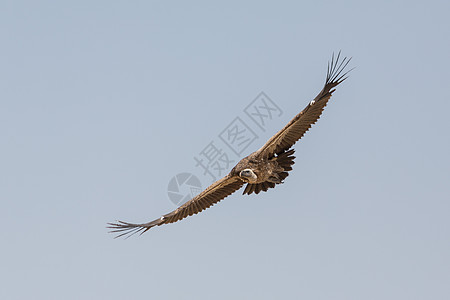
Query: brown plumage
x=261, y=170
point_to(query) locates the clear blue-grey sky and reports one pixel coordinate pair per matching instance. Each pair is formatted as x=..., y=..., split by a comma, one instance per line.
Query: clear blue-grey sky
x=102, y=103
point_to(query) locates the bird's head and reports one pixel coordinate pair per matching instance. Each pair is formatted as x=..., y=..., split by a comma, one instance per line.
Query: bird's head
x=248, y=175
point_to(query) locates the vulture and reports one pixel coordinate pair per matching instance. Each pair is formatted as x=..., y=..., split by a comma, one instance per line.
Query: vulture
x=262, y=169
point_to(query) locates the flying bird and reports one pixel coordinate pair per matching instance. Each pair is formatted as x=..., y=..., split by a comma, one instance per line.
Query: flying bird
x=261, y=170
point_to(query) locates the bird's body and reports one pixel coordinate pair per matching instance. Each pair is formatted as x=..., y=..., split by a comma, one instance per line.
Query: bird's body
x=261, y=170
x=261, y=173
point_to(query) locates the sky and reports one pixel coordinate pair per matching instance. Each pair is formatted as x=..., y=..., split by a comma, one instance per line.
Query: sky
x=104, y=103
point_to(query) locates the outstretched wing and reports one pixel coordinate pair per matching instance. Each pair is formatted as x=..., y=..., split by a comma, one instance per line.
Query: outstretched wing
x=296, y=128
x=210, y=196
